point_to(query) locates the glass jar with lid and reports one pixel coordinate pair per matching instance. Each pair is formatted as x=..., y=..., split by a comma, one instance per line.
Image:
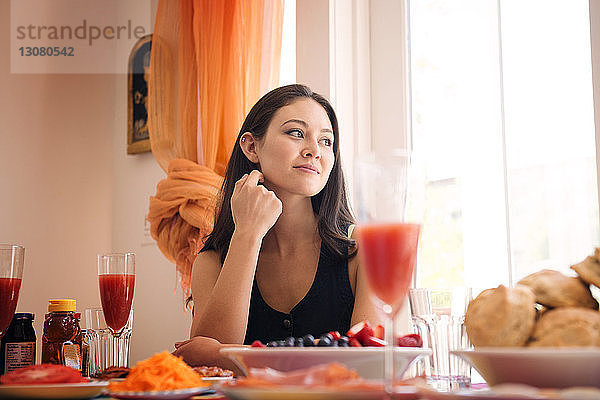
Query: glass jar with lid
x=62, y=337
x=17, y=348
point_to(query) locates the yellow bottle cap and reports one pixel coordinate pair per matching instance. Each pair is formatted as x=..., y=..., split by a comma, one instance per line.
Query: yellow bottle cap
x=61, y=305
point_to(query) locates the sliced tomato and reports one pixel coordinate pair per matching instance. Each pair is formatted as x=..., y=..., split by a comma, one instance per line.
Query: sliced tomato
x=42, y=374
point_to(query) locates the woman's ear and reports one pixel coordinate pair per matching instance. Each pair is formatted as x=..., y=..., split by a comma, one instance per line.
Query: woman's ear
x=248, y=145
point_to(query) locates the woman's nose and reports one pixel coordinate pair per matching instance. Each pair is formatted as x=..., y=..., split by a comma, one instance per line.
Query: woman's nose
x=312, y=150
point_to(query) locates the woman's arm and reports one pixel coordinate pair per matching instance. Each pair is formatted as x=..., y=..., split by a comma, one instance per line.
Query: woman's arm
x=364, y=308
x=222, y=293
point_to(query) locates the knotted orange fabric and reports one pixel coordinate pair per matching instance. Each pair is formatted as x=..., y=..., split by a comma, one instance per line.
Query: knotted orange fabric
x=210, y=62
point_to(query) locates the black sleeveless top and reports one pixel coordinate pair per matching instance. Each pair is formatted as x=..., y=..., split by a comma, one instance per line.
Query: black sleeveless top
x=326, y=307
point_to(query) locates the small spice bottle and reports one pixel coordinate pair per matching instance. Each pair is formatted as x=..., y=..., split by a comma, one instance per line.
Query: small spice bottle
x=17, y=348
x=62, y=338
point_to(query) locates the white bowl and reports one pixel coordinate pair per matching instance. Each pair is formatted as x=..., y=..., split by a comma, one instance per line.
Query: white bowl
x=539, y=367
x=367, y=361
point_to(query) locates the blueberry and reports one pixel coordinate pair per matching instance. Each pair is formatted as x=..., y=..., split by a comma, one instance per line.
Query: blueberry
x=324, y=341
x=273, y=344
x=290, y=342
x=299, y=342
x=343, y=341
x=309, y=340
x=327, y=335
x=281, y=343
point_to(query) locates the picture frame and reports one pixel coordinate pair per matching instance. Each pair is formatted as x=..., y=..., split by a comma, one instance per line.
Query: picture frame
x=138, y=72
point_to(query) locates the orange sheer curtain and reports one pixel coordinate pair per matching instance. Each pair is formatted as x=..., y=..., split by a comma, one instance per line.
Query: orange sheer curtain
x=211, y=60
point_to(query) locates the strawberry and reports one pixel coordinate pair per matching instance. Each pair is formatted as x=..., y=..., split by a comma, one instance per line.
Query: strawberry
x=257, y=343
x=335, y=334
x=372, y=341
x=379, y=332
x=354, y=343
x=412, y=340
x=361, y=331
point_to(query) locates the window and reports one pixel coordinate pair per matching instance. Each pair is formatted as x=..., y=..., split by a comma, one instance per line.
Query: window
x=287, y=72
x=503, y=113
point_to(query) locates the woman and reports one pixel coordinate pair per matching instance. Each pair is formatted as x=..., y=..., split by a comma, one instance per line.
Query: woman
x=280, y=261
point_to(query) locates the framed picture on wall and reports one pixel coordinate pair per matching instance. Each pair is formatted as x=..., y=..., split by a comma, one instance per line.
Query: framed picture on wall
x=138, y=73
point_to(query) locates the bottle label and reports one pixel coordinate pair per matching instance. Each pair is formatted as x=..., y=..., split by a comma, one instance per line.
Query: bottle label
x=72, y=356
x=18, y=355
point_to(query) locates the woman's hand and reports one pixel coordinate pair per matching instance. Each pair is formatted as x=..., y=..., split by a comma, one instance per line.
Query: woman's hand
x=199, y=351
x=255, y=209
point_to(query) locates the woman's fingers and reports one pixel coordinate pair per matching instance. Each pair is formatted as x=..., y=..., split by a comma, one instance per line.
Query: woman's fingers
x=254, y=177
x=254, y=208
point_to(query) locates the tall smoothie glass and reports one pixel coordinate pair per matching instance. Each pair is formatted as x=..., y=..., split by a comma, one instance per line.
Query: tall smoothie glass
x=389, y=224
x=11, y=274
x=116, y=277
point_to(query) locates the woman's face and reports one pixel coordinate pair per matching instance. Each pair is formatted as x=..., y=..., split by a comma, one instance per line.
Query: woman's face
x=296, y=153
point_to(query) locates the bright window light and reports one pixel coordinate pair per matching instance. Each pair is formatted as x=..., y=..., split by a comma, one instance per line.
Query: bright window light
x=504, y=117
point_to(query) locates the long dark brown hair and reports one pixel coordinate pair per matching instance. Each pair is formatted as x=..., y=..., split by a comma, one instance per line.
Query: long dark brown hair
x=330, y=205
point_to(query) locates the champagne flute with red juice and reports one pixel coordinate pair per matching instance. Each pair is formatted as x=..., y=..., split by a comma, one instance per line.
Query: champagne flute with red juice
x=116, y=277
x=11, y=274
x=388, y=193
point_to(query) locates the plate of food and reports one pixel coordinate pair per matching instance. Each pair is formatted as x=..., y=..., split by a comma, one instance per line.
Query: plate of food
x=539, y=367
x=299, y=393
x=360, y=349
x=543, y=332
x=84, y=390
x=367, y=361
x=162, y=376
x=178, y=394
x=214, y=375
x=510, y=391
x=323, y=382
x=48, y=381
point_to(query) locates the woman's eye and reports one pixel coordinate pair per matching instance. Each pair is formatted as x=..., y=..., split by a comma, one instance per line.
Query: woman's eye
x=328, y=142
x=295, y=132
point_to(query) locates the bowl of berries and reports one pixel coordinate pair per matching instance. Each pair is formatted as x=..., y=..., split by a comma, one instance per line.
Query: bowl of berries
x=361, y=349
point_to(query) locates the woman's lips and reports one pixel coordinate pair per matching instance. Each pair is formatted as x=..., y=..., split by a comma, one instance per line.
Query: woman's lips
x=308, y=169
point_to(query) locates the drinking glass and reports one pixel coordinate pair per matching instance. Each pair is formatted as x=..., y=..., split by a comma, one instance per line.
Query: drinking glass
x=116, y=276
x=438, y=315
x=100, y=341
x=387, y=189
x=11, y=274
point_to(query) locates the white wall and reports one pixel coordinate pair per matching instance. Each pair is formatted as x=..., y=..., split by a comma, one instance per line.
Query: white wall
x=68, y=191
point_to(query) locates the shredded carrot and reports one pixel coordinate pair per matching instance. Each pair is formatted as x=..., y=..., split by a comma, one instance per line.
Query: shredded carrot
x=162, y=371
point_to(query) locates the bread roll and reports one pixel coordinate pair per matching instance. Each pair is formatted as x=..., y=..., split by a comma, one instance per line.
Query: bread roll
x=501, y=317
x=553, y=289
x=589, y=269
x=567, y=327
